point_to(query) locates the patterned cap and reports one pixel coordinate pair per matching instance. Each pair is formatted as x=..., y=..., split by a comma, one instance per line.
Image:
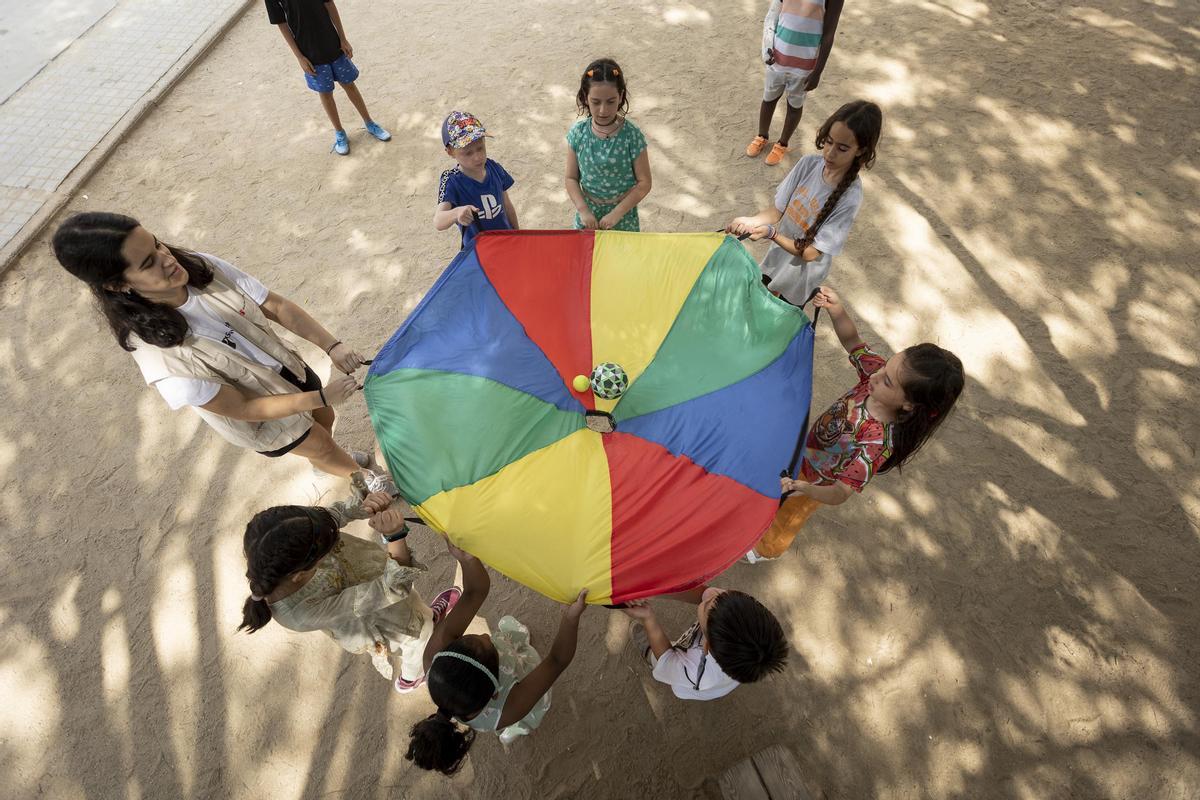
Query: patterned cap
x=461, y=128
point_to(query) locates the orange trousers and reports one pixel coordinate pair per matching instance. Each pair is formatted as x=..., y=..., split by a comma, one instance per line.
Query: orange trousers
x=789, y=519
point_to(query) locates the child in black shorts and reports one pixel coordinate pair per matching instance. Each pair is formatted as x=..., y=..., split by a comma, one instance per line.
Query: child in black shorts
x=313, y=31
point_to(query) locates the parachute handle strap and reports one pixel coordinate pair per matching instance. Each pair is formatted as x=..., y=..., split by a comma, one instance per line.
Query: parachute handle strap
x=797, y=453
x=740, y=238
x=816, y=309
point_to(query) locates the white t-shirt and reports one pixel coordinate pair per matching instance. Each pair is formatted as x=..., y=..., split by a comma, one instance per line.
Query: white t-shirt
x=180, y=392
x=800, y=198
x=693, y=674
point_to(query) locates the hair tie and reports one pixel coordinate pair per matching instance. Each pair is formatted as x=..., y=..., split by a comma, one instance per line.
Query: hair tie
x=258, y=598
x=933, y=414
x=470, y=661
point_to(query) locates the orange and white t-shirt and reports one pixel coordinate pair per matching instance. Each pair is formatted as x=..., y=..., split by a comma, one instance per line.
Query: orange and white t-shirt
x=800, y=198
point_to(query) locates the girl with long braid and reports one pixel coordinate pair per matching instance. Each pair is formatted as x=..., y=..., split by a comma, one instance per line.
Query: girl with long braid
x=816, y=204
x=307, y=575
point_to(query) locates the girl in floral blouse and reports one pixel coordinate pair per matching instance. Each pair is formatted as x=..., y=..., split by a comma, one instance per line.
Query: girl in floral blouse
x=307, y=575
x=897, y=404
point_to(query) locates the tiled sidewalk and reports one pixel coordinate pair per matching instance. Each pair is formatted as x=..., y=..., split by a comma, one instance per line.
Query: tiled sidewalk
x=53, y=122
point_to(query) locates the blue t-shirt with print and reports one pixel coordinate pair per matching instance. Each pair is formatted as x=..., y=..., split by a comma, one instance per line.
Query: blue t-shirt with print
x=458, y=189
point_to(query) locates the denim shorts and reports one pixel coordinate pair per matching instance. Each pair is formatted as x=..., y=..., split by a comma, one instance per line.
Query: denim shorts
x=342, y=71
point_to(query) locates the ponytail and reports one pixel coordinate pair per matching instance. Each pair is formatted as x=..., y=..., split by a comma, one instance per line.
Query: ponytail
x=932, y=380
x=865, y=121
x=280, y=542
x=439, y=743
x=255, y=614
x=461, y=688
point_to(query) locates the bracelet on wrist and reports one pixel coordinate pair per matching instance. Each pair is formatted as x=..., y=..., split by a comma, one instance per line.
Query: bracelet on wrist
x=397, y=536
x=321, y=392
x=329, y=349
x=772, y=231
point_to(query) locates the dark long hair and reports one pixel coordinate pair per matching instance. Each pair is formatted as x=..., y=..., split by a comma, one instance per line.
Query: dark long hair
x=459, y=690
x=88, y=245
x=932, y=380
x=602, y=70
x=865, y=121
x=279, y=542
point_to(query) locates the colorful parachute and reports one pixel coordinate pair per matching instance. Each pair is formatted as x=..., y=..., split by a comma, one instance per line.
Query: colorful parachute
x=474, y=406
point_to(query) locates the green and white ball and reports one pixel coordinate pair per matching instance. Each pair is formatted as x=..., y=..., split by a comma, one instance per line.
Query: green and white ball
x=609, y=380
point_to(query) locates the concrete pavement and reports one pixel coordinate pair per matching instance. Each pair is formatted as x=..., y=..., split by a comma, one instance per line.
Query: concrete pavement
x=96, y=67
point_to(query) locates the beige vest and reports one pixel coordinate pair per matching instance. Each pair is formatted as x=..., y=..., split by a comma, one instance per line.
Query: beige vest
x=203, y=359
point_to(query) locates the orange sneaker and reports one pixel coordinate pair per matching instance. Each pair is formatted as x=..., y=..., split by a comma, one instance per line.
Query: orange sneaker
x=756, y=147
x=776, y=155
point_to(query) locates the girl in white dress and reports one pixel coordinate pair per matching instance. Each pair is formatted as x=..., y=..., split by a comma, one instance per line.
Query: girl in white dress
x=487, y=683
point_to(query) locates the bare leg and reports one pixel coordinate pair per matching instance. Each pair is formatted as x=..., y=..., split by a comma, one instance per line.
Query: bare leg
x=765, y=113
x=790, y=121
x=331, y=111
x=325, y=417
x=357, y=99
x=326, y=454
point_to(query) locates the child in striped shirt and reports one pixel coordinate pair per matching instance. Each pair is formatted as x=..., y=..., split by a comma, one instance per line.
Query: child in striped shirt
x=797, y=38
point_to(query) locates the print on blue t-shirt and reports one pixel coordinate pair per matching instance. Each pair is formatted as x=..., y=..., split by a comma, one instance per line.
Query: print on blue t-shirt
x=458, y=189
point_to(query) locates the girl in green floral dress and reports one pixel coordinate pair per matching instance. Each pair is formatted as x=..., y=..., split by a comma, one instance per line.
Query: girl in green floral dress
x=307, y=575
x=608, y=168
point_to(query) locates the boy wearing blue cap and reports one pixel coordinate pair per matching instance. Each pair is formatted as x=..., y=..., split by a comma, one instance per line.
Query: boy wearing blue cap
x=313, y=32
x=474, y=193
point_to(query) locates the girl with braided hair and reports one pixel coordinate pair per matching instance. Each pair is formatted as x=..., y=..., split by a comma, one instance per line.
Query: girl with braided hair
x=816, y=204
x=308, y=576
x=897, y=404
x=485, y=682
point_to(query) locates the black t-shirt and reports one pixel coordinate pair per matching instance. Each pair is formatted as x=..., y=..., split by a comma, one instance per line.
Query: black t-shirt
x=311, y=27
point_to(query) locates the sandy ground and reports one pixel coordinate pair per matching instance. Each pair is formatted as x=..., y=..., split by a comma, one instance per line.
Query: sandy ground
x=1013, y=617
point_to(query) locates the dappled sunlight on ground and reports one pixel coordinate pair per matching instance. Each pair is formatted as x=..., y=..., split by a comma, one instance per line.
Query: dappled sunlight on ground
x=1012, y=616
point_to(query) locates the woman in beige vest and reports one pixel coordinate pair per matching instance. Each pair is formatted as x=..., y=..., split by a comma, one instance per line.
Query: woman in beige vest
x=199, y=330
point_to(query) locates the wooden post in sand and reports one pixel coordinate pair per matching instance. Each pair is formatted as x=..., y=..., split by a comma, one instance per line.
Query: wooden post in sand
x=770, y=774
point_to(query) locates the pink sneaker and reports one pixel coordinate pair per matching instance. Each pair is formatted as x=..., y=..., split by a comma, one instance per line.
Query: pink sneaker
x=405, y=686
x=445, y=601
